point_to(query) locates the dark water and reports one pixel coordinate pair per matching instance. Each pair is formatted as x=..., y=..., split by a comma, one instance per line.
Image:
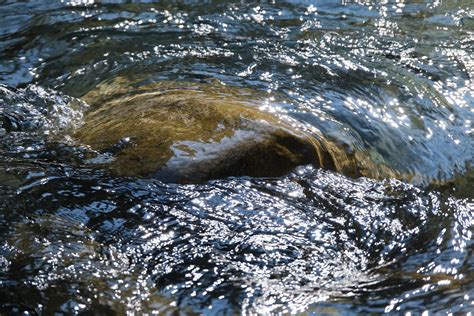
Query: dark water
x=394, y=80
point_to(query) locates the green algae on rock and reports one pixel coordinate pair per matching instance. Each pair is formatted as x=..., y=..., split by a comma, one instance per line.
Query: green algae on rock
x=191, y=132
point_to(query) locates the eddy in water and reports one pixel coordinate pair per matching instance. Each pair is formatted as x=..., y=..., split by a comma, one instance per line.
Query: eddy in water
x=187, y=132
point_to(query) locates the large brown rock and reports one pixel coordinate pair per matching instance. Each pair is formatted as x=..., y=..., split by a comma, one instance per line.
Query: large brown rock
x=191, y=132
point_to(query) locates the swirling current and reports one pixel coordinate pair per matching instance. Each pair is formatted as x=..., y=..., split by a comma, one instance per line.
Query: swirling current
x=390, y=79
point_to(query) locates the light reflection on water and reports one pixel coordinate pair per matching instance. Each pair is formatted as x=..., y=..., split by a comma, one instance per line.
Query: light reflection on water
x=391, y=79
x=265, y=245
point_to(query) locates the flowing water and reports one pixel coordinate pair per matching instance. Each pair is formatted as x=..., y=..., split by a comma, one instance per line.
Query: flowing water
x=391, y=79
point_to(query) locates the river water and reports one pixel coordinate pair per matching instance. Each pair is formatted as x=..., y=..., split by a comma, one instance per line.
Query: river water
x=393, y=79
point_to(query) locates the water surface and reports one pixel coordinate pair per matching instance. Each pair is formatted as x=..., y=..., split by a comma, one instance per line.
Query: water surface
x=393, y=80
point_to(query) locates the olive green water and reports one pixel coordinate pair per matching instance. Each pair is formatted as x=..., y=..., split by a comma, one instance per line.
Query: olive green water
x=373, y=89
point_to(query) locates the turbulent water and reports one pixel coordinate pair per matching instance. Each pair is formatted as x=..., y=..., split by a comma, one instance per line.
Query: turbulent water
x=392, y=79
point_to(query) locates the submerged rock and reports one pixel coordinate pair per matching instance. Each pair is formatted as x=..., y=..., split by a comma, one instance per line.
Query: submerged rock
x=191, y=132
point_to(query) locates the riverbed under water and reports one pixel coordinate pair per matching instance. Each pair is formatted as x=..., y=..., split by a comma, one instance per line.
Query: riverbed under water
x=393, y=79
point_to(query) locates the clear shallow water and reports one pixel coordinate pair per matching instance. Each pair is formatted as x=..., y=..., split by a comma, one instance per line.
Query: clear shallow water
x=393, y=80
